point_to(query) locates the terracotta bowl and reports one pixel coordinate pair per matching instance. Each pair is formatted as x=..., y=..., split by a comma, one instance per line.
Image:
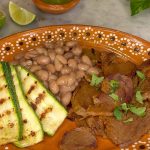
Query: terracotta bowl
x=125, y=45
x=55, y=9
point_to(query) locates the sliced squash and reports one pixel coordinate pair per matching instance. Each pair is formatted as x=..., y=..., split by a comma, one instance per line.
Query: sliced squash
x=50, y=112
x=10, y=116
x=32, y=129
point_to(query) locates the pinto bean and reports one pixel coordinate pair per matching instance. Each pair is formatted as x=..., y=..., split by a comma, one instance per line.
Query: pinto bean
x=45, y=84
x=66, y=80
x=58, y=65
x=59, y=50
x=72, y=63
x=77, y=51
x=14, y=62
x=93, y=70
x=40, y=50
x=35, y=68
x=42, y=74
x=78, y=59
x=28, y=67
x=73, y=75
x=49, y=45
x=43, y=60
x=26, y=63
x=64, y=88
x=86, y=60
x=62, y=59
x=34, y=63
x=66, y=49
x=65, y=70
x=50, y=68
x=68, y=55
x=65, y=98
x=80, y=74
x=83, y=67
x=71, y=43
x=30, y=54
x=53, y=87
x=59, y=43
x=52, y=77
x=52, y=56
x=19, y=56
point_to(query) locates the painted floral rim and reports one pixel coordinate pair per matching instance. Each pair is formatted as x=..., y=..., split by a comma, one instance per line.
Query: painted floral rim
x=127, y=46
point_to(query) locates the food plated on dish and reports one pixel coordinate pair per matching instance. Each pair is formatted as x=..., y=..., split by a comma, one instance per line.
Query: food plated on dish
x=103, y=96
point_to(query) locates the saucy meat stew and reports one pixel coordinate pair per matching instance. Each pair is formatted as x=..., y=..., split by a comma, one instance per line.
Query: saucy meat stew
x=118, y=107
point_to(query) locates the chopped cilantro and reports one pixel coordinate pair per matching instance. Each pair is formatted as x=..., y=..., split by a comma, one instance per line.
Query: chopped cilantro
x=114, y=97
x=117, y=113
x=96, y=80
x=114, y=85
x=139, y=111
x=124, y=107
x=140, y=75
x=128, y=120
x=139, y=97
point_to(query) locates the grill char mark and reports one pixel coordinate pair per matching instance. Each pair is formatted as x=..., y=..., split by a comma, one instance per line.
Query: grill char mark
x=40, y=98
x=43, y=115
x=7, y=112
x=2, y=101
x=31, y=89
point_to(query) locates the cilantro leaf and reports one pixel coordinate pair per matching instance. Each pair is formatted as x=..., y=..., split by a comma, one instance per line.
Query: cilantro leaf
x=139, y=111
x=139, y=97
x=114, y=97
x=96, y=80
x=117, y=113
x=138, y=5
x=128, y=120
x=124, y=107
x=114, y=85
x=140, y=75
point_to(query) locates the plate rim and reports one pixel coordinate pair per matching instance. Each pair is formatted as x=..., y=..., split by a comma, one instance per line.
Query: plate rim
x=80, y=25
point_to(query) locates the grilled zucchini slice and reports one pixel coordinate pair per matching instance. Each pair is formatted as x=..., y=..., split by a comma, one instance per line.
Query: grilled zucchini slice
x=50, y=112
x=32, y=129
x=10, y=115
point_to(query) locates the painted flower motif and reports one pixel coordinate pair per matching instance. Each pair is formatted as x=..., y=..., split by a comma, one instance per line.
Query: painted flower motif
x=99, y=37
x=33, y=40
x=148, y=50
x=87, y=33
x=124, y=44
x=111, y=39
x=75, y=33
x=48, y=36
x=7, y=49
x=60, y=34
x=20, y=42
x=30, y=40
x=136, y=49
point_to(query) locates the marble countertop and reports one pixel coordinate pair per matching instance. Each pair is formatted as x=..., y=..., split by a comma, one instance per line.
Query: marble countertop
x=107, y=13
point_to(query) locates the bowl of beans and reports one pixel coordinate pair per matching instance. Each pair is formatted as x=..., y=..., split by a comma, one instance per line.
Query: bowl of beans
x=59, y=65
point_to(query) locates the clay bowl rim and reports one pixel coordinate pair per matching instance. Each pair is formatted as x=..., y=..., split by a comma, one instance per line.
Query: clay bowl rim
x=55, y=8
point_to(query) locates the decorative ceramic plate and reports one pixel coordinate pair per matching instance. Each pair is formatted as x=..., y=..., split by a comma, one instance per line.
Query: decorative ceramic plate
x=125, y=45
